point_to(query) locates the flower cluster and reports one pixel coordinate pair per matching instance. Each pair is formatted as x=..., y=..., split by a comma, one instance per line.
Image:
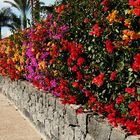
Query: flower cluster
x=88, y=56
x=12, y=57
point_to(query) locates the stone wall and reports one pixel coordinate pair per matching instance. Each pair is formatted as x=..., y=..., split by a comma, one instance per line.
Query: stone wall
x=55, y=120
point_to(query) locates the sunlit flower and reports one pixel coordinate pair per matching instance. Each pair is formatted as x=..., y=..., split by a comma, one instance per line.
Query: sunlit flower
x=42, y=65
x=112, y=16
x=98, y=80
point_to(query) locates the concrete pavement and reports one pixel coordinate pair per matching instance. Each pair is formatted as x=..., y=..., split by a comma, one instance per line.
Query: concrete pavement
x=13, y=126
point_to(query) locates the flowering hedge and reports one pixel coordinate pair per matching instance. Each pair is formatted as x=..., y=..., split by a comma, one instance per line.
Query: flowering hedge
x=88, y=56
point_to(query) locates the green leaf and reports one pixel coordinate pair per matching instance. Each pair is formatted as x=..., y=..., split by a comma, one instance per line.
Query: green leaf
x=121, y=66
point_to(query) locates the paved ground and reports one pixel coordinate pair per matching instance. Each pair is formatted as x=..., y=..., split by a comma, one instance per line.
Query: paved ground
x=13, y=126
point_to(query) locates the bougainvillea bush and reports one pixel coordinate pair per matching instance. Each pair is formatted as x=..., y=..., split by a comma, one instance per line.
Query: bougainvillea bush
x=87, y=53
x=12, y=56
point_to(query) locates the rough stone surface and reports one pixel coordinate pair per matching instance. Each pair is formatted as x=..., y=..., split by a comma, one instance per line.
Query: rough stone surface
x=88, y=137
x=79, y=135
x=133, y=138
x=55, y=120
x=82, y=121
x=71, y=117
x=98, y=129
x=69, y=133
x=117, y=134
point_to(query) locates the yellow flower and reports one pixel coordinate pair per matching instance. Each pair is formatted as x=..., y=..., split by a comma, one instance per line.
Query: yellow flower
x=7, y=50
x=47, y=49
x=16, y=56
x=128, y=11
x=23, y=51
x=125, y=37
x=42, y=65
x=139, y=34
x=33, y=49
x=49, y=43
x=21, y=59
x=37, y=55
x=19, y=68
x=55, y=72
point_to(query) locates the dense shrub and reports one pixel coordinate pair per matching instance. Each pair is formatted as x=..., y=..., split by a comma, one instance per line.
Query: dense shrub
x=87, y=53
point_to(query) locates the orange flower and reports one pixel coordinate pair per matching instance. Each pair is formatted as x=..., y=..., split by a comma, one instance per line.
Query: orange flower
x=127, y=23
x=42, y=65
x=112, y=16
x=129, y=35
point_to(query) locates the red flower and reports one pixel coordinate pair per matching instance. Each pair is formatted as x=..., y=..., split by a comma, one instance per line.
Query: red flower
x=130, y=91
x=113, y=75
x=74, y=55
x=52, y=61
x=91, y=100
x=105, y=9
x=80, y=61
x=132, y=105
x=86, y=20
x=109, y=47
x=69, y=61
x=132, y=127
x=79, y=110
x=136, y=64
x=98, y=80
x=109, y=108
x=75, y=84
x=80, y=86
x=136, y=5
x=74, y=68
x=72, y=100
x=60, y=8
x=63, y=84
x=136, y=11
x=79, y=75
x=105, y=3
x=87, y=93
x=112, y=118
x=47, y=81
x=134, y=2
x=11, y=44
x=96, y=30
x=119, y=99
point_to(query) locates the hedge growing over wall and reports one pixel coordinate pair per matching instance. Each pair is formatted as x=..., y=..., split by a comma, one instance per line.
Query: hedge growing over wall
x=87, y=52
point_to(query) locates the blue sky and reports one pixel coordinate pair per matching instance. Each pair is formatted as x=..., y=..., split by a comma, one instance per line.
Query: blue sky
x=6, y=31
